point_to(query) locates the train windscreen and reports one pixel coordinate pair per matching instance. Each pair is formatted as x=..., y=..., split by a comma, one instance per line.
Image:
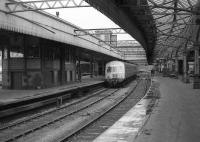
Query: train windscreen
x=111, y=69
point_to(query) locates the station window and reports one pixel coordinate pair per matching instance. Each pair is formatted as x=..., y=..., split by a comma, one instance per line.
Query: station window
x=52, y=53
x=33, y=52
x=67, y=54
x=16, y=52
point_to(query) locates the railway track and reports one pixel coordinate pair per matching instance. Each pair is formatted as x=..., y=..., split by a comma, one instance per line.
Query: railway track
x=49, y=111
x=86, y=111
x=41, y=99
x=30, y=124
x=98, y=127
x=20, y=129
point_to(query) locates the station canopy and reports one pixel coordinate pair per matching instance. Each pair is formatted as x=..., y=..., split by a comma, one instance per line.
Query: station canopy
x=173, y=20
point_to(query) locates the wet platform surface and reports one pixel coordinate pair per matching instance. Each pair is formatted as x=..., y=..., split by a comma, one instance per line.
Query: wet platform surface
x=127, y=127
x=10, y=96
x=174, y=118
x=177, y=116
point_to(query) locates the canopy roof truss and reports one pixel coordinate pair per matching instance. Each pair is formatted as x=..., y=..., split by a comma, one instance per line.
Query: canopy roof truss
x=172, y=18
x=34, y=5
x=113, y=31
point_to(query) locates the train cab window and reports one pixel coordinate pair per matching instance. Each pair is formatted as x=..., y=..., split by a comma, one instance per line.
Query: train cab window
x=108, y=69
x=114, y=69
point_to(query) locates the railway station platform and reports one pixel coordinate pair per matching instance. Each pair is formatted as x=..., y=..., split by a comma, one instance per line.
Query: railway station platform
x=175, y=116
x=12, y=96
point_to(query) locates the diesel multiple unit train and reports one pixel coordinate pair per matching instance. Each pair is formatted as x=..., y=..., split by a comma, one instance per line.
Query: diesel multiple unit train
x=117, y=73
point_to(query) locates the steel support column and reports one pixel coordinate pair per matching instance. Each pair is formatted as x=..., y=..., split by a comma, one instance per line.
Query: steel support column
x=42, y=60
x=62, y=64
x=25, y=48
x=79, y=68
x=6, y=79
x=92, y=67
x=176, y=66
x=196, y=83
x=196, y=59
x=185, y=74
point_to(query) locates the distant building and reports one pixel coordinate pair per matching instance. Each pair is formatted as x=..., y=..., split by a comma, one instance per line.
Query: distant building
x=133, y=51
x=107, y=36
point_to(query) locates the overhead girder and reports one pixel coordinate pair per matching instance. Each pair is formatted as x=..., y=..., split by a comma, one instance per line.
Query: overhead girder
x=178, y=36
x=35, y=5
x=130, y=42
x=181, y=13
x=169, y=13
x=169, y=23
x=114, y=31
x=161, y=6
x=174, y=7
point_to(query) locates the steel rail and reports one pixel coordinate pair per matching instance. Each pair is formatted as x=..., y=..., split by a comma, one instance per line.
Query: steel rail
x=96, y=118
x=50, y=111
x=26, y=132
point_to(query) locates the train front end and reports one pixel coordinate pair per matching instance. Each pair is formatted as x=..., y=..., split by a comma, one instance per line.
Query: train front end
x=114, y=73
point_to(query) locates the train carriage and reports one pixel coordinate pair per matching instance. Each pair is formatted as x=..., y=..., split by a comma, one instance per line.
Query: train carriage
x=118, y=72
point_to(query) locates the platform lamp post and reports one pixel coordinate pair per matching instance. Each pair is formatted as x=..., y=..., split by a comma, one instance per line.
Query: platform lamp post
x=196, y=83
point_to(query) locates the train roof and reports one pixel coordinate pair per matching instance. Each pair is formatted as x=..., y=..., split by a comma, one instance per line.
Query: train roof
x=117, y=61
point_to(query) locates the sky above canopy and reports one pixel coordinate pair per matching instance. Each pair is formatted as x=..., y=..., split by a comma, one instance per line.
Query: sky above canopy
x=85, y=18
x=88, y=18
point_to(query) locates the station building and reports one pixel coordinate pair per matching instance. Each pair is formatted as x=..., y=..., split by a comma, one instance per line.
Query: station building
x=30, y=62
